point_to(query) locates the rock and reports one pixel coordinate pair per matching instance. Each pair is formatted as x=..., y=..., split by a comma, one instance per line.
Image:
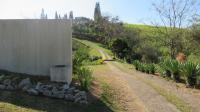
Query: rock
x=76, y=91
x=65, y=87
x=83, y=102
x=70, y=90
x=9, y=87
x=2, y=87
x=25, y=82
x=38, y=86
x=47, y=93
x=57, y=94
x=77, y=99
x=25, y=88
x=32, y=91
x=69, y=97
x=7, y=82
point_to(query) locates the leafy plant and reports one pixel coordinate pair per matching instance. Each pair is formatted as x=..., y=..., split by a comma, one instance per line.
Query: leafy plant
x=152, y=68
x=136, y=63
x=84, y=76
x=165, y=68
x=190, y=71
x=79, y=57
x=174, y=68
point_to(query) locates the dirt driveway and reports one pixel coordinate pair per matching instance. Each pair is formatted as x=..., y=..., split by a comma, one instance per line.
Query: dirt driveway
x=142, y=92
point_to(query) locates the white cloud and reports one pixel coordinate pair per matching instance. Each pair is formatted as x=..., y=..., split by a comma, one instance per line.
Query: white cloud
x=20, y=9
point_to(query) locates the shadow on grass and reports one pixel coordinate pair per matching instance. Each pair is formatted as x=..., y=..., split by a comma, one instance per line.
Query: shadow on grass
x=19, y=99
x=41, y=103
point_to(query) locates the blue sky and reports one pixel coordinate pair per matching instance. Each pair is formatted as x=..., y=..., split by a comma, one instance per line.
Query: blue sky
x=130, y=11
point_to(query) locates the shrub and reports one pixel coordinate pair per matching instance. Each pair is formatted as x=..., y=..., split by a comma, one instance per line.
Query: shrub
x=79, y=57
x=136, y=63
x=94, y=58
x=190, y=72
x=84, y=76
x=164, y=68
x=119, y=47
x=174, y=68
x=146, y=68
x=152, y=68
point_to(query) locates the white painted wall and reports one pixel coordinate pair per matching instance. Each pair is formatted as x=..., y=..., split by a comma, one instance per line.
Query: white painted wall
x=33, y=46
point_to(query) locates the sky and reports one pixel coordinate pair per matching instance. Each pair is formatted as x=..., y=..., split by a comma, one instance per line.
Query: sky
x=129, y=11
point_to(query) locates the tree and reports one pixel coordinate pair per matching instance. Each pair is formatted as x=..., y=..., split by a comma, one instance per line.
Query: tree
x=120, y=48
x=46, y=17
x=59, y=17
x=71, y=16
x=65, y=16
x=43, y=15
x=56, y=15
x=97, y=13
x=174, y=15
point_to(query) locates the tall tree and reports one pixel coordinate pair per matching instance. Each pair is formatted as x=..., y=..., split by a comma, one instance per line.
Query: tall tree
x=65, y=16
x=56, y=15
x=59, y=17
x=71, y=16
x=42, y=16
x=97, y=12
x=174, y=15
x=46, y=17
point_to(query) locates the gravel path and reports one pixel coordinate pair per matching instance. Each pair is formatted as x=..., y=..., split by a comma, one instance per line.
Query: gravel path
x=152, y=101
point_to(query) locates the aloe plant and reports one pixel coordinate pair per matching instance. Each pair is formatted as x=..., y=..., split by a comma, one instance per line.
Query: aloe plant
x=152, y=68
x=190, y=71
x=146, y=68
x=136, y=63
x=174, y=68
x=165, y=65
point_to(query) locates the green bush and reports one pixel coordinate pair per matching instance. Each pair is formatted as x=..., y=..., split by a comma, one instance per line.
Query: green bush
x=191, y=72
x=152, y=68
x=174, y=68
x=136, y=63
x=84, y=76
x=148, y=68
x=94, y=58
x=165, y=68
x=79, y=57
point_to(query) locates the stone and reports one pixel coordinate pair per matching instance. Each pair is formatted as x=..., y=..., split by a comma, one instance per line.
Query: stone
x=57, y=94
x=47, y=93
x=32, y=91
x=37, y=87
x=83, y=102
x=2, y=87
x=69, y=97
x=7, y=82
x=77, y=99
x=25, y=88
x=76, y=91
x=10, y=87
x=25, y=82
x=70, y=90
x=65, y=87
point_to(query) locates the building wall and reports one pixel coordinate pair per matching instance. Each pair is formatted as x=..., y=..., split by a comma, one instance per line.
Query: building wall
x=33, y=46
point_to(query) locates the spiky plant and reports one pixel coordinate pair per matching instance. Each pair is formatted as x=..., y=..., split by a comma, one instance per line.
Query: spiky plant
x=164, y=66
x=190, y=71
x=136, y=63
x=174, y=68
x=152, y=68
x=146, y=68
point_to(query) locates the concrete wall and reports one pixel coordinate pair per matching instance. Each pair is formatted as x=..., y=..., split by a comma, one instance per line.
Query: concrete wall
x=34, y=46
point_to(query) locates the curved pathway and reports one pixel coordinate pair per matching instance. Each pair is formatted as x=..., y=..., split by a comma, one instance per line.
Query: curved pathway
x=152, y=100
